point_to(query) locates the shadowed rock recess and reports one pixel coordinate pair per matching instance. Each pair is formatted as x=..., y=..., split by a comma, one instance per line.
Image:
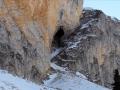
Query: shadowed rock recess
x=27, y=28
x=94, y=47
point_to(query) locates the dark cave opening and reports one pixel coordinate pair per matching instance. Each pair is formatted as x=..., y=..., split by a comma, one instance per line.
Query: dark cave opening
x=116, y=84
x=58, y=37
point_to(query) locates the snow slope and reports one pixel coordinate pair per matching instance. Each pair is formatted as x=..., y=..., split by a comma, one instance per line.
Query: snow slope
x=57, y=81
x=10, y=82
x=67, y=81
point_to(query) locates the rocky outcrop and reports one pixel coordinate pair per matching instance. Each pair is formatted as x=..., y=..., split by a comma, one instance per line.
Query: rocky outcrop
x=27, y=28
x=94, y=47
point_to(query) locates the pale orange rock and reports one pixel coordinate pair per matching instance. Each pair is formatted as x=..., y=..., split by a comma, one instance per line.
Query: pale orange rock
x=27, y=30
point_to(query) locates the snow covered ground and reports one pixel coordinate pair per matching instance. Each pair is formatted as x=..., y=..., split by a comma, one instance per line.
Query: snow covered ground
x=67, y=81
x=10, y=82
x=56, y=81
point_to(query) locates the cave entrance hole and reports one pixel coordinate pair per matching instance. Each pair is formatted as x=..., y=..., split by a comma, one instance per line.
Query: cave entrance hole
x=58, y=38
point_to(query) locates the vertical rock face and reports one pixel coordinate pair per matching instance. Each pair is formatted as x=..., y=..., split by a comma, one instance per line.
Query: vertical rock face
x=26, y=31
x=94, y=48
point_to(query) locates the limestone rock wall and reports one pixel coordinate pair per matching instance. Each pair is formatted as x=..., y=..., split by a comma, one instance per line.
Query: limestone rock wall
x=94, y=47
x=27, y=28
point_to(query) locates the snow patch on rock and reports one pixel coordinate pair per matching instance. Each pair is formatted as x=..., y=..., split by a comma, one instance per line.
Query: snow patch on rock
x=55, y=52
x=56, y=67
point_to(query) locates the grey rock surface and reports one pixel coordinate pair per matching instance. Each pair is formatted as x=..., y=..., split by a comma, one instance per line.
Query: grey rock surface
x=94, y=48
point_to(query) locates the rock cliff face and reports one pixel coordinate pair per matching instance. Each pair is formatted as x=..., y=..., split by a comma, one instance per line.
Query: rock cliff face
x=94, y=47
x=27, y=28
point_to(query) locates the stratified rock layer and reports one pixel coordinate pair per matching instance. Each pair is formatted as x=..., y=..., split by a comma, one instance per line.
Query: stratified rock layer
x=27, y=28
x=94, y=48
